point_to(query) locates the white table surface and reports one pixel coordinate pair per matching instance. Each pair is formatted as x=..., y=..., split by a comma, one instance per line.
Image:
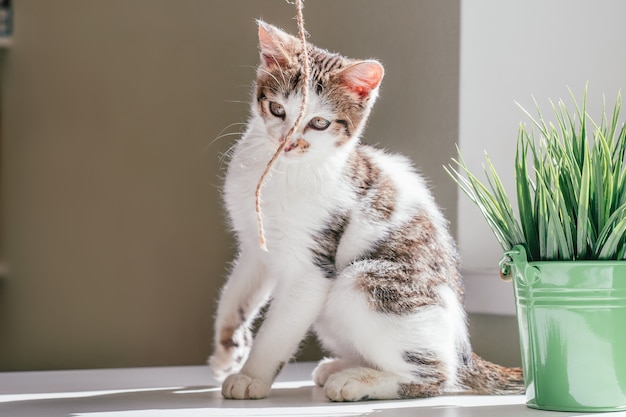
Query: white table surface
x=191, y=392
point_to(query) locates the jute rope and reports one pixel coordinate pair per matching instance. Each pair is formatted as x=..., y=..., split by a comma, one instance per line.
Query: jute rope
x=304, y=62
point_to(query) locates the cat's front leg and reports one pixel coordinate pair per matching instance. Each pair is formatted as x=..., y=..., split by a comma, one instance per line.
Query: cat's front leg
x=246, y=290
x=295, y=306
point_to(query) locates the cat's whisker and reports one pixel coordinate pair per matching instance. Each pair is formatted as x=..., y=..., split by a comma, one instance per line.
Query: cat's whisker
x=271, y=75
x=231, y=125
x=222, y=135
x=352, y=124
x=282, y=74
x=237, y=101
x=288, y=80
x=274, y=90
x=248, y=66
x=226, y=155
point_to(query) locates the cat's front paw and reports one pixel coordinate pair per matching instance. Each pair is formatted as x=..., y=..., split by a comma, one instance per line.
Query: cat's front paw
x=231, y=353
x=243, y=387
x=222, y=365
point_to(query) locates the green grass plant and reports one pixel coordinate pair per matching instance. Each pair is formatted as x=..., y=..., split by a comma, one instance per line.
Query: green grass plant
x=570, y=184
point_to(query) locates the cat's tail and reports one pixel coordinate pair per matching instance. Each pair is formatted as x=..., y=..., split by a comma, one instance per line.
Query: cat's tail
x=480, y=376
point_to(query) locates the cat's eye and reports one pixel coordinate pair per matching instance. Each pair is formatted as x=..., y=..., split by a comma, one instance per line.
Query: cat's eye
x=319, y=123
x=277, y=109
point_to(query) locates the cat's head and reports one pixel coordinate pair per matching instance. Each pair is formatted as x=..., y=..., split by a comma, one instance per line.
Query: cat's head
x=341, y=94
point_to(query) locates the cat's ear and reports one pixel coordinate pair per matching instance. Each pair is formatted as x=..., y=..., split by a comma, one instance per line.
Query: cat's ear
x=363, y=77
x=274, y=45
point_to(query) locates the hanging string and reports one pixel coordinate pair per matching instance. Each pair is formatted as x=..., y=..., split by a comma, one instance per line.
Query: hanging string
x=304, y=63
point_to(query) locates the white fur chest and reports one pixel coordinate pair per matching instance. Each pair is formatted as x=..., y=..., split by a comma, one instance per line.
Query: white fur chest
x=297, y=199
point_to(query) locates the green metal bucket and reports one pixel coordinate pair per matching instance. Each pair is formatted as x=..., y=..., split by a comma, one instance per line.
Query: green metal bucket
x=572, y=325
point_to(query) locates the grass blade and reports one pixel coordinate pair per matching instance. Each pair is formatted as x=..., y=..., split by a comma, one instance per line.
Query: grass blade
x=583, y=210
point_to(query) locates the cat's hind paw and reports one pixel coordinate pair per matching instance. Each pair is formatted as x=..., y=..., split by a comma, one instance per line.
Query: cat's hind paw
x=359, y=384
x=326, y=368
x=243, y=387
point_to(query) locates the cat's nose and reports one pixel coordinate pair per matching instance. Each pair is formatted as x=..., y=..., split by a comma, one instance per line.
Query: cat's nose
x=299, y=143
x=290, y=146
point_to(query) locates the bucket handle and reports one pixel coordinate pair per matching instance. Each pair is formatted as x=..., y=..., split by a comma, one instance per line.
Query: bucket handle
x=516, y=256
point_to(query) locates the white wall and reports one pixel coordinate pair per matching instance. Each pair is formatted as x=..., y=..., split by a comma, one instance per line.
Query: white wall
x=512, y=50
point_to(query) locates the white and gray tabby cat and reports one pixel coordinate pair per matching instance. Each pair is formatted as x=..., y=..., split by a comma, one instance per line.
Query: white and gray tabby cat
x=358, y=249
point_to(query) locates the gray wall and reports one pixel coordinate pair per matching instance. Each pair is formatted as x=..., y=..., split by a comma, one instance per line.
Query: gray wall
x=112, y=226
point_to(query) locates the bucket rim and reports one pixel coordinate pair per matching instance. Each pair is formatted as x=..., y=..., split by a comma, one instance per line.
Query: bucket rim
x=518, y=256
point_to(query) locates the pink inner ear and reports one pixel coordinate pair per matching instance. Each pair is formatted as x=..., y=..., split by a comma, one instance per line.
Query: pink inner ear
x=363, y=77
x=272, y=52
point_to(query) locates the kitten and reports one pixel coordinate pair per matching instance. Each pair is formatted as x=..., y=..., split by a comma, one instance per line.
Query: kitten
x=358, y=250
